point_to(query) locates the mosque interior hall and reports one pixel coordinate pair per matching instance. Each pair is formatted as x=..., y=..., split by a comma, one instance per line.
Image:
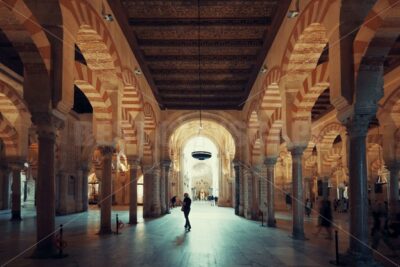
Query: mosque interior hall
x=273, y=126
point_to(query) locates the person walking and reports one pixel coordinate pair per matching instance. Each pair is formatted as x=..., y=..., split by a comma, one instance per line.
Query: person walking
x=186, y=210
x=308, y=207
x=325, y=218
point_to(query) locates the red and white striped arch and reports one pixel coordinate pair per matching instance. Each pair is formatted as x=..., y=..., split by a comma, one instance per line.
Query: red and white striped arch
x=9, y=136
x=329, y=133
x=81, y=13
x=10, y=100
x=307, y=40
x=27, y=35
x=392, y=107
x=369, y=28
x=90, y=84
x=255, y=150
x=272, y=134
x=271, y=98
x=313, y=86
x=149, y=117
x=147, y=148
x=132, y=104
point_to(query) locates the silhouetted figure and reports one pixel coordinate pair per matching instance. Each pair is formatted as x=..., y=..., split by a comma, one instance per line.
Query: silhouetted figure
x=186, y=210
x=173, y=201
x=288, y=200
x=308, y=207
x=325, y=218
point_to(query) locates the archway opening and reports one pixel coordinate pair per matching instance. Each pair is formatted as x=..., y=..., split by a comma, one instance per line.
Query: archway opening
x=201, y=177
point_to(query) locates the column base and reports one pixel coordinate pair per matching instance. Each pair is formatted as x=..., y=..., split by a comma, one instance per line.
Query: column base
x=44, y=253
x=15, y=216
x=299, y=236
x=133, y=221
x=358, y=260
x=271, y=223
x=105, y=231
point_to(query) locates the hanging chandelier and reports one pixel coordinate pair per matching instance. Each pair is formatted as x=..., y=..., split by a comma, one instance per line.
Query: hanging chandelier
x=199, y=154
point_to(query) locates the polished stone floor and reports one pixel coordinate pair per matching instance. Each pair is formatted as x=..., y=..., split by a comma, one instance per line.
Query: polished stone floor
x=217, y=238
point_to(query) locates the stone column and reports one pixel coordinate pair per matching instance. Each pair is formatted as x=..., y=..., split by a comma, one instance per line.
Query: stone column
x=106, y=190
x=147, y=186
x=46, y=125
x=394, y=168
x=155, y=208
x=270, y=163
x=237, y=188
x=297, y=195
x=246, y=204
x=163, y=204
x=16, y=191
x=79, y=191
x=133, y=177
x=166, y=166
x=63, y=192
x=358, y=129
x=85, y=188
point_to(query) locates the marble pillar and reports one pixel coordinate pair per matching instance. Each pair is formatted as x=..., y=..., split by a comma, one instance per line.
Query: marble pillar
x=358, y=129
x=246, y=201
x=85, y=188
x=270, y=163
x=79, y=191
x=63, y=193
x=147, y=179
x=155, y=207
x=106, y=190
x=165, y=173
x=237, y=188
x=46, y=126
x=394, y=168
x=297, y=194
x=163, y=204
x=6, y=185
x=133, y=177
x=16, y=191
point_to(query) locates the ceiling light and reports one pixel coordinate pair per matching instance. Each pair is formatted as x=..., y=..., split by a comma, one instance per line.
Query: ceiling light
x=294, y=12
x=263, y=69
x=138, y=71
x=200, y=154
x=108, y=17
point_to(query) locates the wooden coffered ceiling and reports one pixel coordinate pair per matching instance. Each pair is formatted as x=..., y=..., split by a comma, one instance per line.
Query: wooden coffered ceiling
x=234, y=39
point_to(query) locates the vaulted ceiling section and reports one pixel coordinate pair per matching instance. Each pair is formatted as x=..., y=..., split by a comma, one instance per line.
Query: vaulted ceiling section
x=234, y=39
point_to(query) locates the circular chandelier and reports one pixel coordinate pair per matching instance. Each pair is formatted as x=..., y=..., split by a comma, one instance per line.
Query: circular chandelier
x=200, y=155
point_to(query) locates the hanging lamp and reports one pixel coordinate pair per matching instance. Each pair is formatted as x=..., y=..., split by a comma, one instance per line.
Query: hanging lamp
x=200, y=154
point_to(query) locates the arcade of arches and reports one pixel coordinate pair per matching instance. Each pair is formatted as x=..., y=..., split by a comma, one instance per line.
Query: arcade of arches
x=100, y=101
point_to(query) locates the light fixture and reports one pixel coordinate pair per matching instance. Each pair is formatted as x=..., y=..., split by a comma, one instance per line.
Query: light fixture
x=138, y=71
x=294, y=12
x=199, y=154
x=106, y=16
x=263, y=69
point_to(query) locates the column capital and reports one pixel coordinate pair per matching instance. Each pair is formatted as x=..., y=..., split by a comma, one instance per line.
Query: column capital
x=47, y=124
x=16, y=163
x=236, y=164
x=106, y=150
x=357, y=126
x=393, y=165
x=270, y=161
x=297, y=150
x=133, y=161
x=166, y=163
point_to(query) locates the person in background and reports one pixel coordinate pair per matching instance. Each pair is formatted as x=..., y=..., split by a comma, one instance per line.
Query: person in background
x=308, y=207
x=173, y=201
x=325, y=218
x=186, y=210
